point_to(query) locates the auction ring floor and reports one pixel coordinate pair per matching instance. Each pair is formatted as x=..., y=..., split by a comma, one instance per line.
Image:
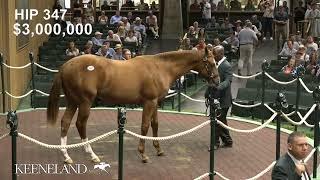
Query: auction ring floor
x=186, y=157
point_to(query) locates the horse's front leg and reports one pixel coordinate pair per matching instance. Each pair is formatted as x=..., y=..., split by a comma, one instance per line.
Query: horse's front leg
x=148, y=110
x=83, y=114
x=154, y=125
x=65, y=124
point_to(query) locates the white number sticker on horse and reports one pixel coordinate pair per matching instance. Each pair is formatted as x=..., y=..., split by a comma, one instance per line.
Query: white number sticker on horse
x=90, y=68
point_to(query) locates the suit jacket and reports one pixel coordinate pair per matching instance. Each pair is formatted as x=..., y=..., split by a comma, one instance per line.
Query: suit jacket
x=223, y=91
x=285, y=169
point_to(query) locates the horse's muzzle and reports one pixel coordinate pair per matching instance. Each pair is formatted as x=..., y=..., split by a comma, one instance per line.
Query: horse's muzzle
x=215, y=82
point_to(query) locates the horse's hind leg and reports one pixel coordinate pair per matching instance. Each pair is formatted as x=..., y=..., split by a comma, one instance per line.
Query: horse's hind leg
x=148, y=109
x=83, y=114
x=154, y=125
x=65, y=124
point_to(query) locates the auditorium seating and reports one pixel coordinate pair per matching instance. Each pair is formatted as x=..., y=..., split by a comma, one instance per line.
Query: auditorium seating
x=252, y=93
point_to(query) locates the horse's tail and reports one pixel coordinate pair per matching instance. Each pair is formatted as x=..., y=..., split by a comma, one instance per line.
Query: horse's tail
x=53, y=101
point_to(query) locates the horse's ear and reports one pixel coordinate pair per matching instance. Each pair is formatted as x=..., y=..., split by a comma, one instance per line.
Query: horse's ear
x=206, y=52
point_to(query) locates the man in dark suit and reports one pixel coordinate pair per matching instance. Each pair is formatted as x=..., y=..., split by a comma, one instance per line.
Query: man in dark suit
x=223, y=93
x=291, y=166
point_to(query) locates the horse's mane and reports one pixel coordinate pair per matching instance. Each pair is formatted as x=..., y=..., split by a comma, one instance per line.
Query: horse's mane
x=176, y=55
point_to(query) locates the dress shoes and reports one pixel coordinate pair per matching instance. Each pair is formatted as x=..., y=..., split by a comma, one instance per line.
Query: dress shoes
x=229, y=145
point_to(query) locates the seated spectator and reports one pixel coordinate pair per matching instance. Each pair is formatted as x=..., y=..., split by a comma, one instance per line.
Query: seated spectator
x=105, y=6
x=191, y=34
x=235, y=5
x=115, y=18
x=233, y=41
x=301, y=56
x=153, y=6
x=130, y=17
x=88, y=12
x=221, y=6
x=127, y=4
x=118, y=54
x=126, y=23
x=216, y=42
x=137, y=34
x=97, y=40
x=226, y=24
x=196, y=27
x=249, y=6
x=131, y=37
x=88, y=48
x=195, y=6
x=103, y=19
x=202, y=34
x=290, y=67
x=311, y=45
x=238, y=27
x=289, y=50
x=72, y=51
x=121, y=33
x=138, y=26
x=106, y=51
x=126, y=54
x=77, y=13
x=201, y=45
x=152, y=24
x=312, y=64
x=185, y=44
x=143, y=6
x=113, y=37
x=120, y=24
x=213, y=23
x=295, y=43
x=88, y=19
x=298, y=38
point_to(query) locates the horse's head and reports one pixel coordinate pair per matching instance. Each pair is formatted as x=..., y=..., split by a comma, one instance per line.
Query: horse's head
x=207, y=68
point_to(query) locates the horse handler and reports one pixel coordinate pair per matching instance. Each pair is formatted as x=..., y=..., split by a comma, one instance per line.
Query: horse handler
x=223, y=93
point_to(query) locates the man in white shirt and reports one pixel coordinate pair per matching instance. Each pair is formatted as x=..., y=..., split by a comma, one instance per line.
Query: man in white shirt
x=291, y=166
x=113, y=37
x=289, y=50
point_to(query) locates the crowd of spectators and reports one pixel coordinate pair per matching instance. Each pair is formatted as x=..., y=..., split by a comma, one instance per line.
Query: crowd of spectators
x=273, y=25
x=120, y=30
x=301, y=53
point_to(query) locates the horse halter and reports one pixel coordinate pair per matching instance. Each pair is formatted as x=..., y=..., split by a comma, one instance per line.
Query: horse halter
x=208, y=69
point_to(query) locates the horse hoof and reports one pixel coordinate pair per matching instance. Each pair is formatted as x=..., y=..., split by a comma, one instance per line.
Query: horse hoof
x=95, y=160
x=160, y=153
x=68, y=161
x=145, y=159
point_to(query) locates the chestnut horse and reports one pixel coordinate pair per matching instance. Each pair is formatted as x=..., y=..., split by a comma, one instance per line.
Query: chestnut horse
x=142, y=80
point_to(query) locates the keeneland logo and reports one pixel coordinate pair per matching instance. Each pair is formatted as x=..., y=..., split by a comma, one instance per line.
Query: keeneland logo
x=51, y=169
x=57, y=169
x=102, y=166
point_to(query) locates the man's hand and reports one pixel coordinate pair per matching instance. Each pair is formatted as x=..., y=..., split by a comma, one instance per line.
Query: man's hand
x=300, y=168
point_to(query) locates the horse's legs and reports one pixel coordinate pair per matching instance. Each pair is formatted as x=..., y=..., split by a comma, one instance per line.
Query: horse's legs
x=148, y=109
x=65, y=124
x=154, y=125
x=83, y=114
